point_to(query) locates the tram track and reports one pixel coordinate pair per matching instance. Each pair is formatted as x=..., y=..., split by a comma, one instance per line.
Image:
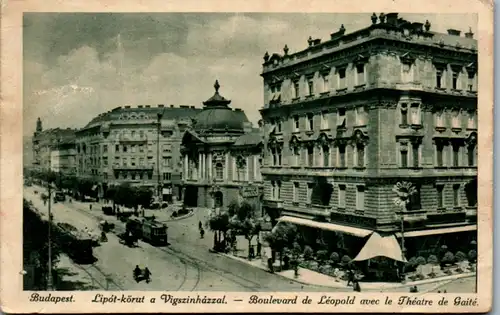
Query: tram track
x=108, y=279
x=187, y=260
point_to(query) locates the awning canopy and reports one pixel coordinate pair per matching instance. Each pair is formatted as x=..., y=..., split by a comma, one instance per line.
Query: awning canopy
x=381, y=246
x=326, y=226
x=448, y=230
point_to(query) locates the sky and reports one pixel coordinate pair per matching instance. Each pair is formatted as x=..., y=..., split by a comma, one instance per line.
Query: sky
x=78, y=65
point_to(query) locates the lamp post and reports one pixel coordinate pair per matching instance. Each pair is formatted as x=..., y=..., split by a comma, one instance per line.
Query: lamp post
x=159, y=116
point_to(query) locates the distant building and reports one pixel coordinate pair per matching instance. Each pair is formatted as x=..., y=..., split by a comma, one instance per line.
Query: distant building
x=348, y=119
x=137, y=145
x=54, y=149
x=222, y=157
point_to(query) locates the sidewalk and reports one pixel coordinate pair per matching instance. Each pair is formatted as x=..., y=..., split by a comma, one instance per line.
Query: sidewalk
x=310, y=277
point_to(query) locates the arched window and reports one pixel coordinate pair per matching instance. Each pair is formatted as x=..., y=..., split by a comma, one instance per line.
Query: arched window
x=241, y=168
x=219, y=171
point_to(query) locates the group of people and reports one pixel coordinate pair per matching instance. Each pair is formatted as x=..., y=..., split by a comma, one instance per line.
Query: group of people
x=146, y=274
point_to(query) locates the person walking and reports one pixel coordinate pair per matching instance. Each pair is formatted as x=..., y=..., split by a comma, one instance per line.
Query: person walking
x=147, y=275
x=200, y=225
x=202, y=233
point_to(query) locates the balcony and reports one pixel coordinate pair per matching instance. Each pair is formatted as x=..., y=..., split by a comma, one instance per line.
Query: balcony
x=132, y=167
x=273, y=203
x=135, y=139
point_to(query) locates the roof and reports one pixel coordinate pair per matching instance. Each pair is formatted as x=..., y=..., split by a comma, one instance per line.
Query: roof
x=249, y=139
x=146, y=113
x=217, y=116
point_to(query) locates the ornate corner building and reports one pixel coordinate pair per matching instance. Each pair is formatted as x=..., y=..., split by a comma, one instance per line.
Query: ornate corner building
x=348, y=119
x=222, y=157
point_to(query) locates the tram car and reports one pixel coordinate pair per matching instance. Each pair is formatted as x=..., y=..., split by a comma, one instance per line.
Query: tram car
x=78, y=245
x=149, y=230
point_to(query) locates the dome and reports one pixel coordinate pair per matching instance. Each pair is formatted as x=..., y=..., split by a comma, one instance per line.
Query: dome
x=217, y=116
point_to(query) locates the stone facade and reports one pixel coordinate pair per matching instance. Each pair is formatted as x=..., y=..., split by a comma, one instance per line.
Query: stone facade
x=349, y=118
x=222, y=158
x=137, y=145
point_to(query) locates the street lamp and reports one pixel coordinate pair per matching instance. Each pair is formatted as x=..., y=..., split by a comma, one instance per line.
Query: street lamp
x=159, y=116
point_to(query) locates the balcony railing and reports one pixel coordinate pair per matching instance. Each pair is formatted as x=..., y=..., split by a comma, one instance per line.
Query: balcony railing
x=133, y=167
x=134, y=139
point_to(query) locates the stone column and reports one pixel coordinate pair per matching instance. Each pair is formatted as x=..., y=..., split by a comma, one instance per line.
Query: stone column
x=209, y=158
x=226, y=167
x=186, y=166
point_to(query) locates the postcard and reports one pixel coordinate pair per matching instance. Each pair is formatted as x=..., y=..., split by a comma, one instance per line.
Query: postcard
x=246, y=157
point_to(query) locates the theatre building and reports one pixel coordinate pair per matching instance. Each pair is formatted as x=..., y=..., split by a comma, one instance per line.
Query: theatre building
x=374, y=130
x=222, y=157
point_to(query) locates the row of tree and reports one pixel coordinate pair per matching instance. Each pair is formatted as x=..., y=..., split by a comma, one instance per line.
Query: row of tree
x=129, y=196
x=78, y=186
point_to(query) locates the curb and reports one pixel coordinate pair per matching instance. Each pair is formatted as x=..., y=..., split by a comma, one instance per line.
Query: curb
x=190, y=214
x=443, y=280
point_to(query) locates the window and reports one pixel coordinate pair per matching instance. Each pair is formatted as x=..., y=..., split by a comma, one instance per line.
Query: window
x=455, y=119
x=167, y=148
x=167, y=176
x=105, y=160
x=440, y=196
x=341, y=156
x=167, y=161
x=326, y=83
x=403, y=153
x=439, y=155
x=416, y=154
x=273, y=190
x=274, y=157
x=415, y=200
x=141, y=148
x=456, y=196
x=341, y=196
x=341, y=118
x=141, y=133
x=241, y=170
x=278, y=190
x=124, y=161
x=278, y=153
x=150, y=147
x=455, y=80
x=310, y=187
x=360, y=155
x=105, y=148
x=296, y=192
x=310, y=156
x=324, y=120
x=360, y=198
x=407, y=72
x=132, y=148
x=132, y=161
x=117, y=148
x=471, y=155
x=125, y=148
x=440, y=118
x=296, y=89
x=439, y=78
x=471, y=121
x=310, y=121
x=341, y=78
x=278, y=125
x=415, y=114
x=296, y=123
x=404, y=114
x=219, y=171
x=141, y=161
x=150, y=175
x=470, y=80
x=360, y=74
x=326, y=155
x=310, y=86
x=456, y=155
x=105, y=176
x=296, y=156
x=360, y=116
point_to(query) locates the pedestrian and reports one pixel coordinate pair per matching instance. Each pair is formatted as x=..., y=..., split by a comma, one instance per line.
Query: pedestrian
x=200, y=225
x=202, y=233
x=90, y=206
x=147, y=274
x=445, y=291
x=355, y=285
x=350, y=277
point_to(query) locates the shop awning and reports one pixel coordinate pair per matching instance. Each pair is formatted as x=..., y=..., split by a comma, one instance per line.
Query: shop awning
x=448, y=230
x=381, y=246
x=326, y=226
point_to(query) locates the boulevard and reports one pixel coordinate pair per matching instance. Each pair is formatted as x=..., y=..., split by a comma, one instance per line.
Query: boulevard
x=185, y=265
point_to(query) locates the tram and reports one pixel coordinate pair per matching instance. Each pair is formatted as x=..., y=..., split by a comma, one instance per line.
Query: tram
x=149, y=230
x=78, y=245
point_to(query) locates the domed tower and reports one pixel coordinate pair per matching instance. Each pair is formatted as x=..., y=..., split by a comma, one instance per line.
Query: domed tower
x=218, y=118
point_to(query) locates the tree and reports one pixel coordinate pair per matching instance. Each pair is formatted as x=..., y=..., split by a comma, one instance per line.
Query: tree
x=433, y=260
x=321, y=255
x=283, y=235
x=334, y=258
x=219, y=223
x=243, y=221
x=448, y=258
x=460, y=256
x=308, y=252
x=472, y=255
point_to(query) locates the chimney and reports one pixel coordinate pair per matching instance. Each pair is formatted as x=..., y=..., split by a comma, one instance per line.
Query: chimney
x=160, y=105
x=469, y=34
x=392, y=18
x=193, y=107
x=453, y=32
x=184, y=106
x=147, y=106
x=139, y=106
x=127, y=106
x=171, y=106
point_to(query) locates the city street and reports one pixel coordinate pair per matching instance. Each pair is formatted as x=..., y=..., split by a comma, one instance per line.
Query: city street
x=185, y=265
